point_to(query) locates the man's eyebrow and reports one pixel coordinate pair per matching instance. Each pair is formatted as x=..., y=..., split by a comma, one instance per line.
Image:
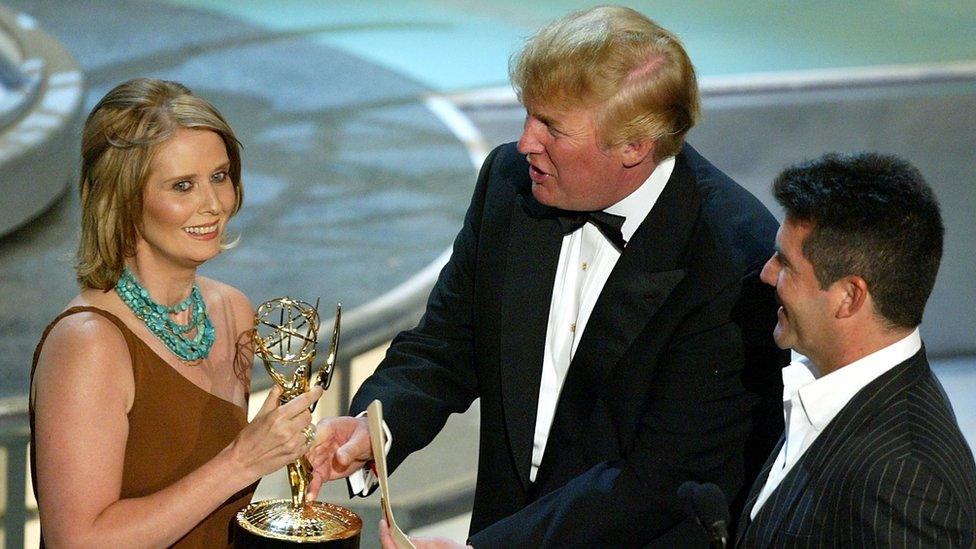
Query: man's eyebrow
x=544, y=119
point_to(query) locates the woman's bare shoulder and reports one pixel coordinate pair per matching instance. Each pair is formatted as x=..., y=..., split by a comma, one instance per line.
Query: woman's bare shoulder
x=86, y=334
x=85, y=352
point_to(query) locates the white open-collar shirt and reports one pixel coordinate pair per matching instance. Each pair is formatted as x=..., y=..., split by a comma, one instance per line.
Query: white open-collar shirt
x=811, y=401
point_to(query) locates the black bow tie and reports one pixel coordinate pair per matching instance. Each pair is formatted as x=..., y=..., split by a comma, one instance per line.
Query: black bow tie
x=608, y=224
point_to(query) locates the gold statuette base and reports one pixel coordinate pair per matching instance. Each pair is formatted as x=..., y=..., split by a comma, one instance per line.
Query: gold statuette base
x=275, y=523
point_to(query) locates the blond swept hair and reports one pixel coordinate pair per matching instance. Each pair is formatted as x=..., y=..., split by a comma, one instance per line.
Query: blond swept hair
x=120, y=138
x=632, y=75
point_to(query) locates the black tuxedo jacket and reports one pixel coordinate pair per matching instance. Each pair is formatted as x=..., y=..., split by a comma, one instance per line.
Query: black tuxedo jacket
x=663, y=386
x=891, y=470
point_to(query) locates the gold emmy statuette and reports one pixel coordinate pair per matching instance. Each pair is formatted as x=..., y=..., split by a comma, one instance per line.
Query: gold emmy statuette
x=285, y=333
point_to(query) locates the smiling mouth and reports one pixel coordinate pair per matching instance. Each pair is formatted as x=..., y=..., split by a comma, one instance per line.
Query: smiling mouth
x=201, y=229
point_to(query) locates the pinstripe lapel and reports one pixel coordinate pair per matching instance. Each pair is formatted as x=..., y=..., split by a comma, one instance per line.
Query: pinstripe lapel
x=780, y=503
x=820, y=458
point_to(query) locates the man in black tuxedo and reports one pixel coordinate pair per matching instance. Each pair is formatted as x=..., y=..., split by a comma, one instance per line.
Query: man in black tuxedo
x=602, y=301
x=872, y=455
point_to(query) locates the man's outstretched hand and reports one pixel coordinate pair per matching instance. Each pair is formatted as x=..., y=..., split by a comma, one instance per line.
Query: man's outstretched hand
x=341, y=448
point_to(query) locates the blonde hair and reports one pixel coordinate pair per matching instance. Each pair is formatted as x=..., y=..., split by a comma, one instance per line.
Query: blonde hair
x=632, y=74
x=120, y=138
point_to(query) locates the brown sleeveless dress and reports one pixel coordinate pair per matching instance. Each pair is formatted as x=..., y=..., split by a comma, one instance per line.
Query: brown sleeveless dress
x=174, y=428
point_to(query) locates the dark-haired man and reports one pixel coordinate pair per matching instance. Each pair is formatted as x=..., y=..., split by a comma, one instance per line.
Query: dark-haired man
x=872, y=454
x=603, y=303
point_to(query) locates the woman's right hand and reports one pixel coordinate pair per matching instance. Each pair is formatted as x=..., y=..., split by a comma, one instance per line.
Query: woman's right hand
x=276, y=435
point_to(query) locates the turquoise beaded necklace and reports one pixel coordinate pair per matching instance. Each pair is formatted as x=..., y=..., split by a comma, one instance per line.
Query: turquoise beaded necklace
x=157, y=318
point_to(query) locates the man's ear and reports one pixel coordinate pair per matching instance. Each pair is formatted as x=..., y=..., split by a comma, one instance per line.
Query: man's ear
x=854, y=296
x=636, y=152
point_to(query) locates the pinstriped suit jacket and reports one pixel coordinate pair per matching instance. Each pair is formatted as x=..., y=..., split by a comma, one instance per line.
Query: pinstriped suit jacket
x=892, y=470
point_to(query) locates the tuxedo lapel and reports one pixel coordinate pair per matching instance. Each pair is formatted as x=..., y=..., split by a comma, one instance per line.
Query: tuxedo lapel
x=641, y=281
x=620, y=314
x=533, y=253
x=645, y=275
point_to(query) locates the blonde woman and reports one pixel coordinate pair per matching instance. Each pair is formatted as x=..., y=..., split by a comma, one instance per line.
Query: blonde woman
x=139, y=388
